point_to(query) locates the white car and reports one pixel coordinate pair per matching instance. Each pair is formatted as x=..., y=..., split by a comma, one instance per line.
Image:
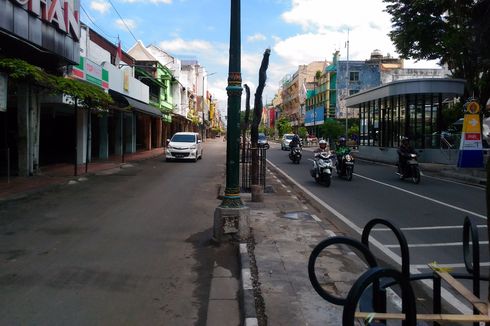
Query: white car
x=286, y=139
x=184, y=146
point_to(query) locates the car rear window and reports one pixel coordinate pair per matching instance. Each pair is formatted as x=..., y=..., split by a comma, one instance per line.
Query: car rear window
x=184, y=138
x=288, y=137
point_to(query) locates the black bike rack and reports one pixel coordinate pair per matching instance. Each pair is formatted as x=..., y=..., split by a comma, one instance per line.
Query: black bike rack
x=375, y=274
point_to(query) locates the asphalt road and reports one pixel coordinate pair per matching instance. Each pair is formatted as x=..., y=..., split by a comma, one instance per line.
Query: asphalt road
x=128, y=248
x=430, y=214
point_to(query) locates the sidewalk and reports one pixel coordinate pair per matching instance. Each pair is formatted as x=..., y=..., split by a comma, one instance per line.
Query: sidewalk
x=59, y=174
x=285, y=228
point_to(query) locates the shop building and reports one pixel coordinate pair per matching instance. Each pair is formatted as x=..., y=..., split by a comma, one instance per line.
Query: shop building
x=413, y=108
x=46, y=35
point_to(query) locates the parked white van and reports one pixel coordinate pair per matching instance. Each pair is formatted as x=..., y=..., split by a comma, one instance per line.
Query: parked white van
x=184, y=146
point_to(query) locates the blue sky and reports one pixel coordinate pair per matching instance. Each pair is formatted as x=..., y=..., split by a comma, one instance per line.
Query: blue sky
x=297, y=31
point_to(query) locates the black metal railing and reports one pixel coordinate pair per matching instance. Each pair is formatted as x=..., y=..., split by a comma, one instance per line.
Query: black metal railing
x=378, y=277
x=247, y=154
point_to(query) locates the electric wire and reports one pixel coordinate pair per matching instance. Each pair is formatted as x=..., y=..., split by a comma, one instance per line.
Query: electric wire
x=95, y=25
x=117, y=12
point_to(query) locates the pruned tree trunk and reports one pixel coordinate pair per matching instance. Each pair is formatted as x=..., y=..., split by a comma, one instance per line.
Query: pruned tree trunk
x=246, y=122
x=254, y=131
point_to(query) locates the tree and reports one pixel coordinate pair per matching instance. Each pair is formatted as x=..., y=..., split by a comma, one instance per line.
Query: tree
x=331, y=129
x=284, y=126
x=455, y=31
x=302, y=132
x=258, y=106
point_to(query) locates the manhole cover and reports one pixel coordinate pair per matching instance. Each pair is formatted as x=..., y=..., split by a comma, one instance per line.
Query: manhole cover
x=298, y=215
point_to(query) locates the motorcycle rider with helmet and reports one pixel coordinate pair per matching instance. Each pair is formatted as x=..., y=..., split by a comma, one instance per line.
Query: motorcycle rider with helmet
x=404, y=152
x=294, y=142
x=322, y=147
x=341, y=150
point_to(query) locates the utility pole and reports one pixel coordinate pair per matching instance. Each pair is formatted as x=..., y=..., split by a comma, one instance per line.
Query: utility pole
x=347, y=86
x=231, y=217
x=203, y=101
x=234, y=90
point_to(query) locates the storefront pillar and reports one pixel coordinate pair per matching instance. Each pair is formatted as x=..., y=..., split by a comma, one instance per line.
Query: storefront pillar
x=81, y=135
x=130, y=132
x=28, y=130
x=103, y=137
x=118, y=133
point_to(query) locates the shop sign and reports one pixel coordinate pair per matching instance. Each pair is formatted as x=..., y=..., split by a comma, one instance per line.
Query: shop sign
x=93, y=73
x=3, y=92
x=64, y=14
x=166, y=117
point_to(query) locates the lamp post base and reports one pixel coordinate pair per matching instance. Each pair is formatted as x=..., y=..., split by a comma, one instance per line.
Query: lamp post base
x=231, y=224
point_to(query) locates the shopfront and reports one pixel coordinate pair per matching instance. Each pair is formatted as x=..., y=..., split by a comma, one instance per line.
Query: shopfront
x=408, y=108
x=44, y=34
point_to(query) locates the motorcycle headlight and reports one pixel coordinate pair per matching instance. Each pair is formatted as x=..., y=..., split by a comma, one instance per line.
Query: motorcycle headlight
x=413, y=155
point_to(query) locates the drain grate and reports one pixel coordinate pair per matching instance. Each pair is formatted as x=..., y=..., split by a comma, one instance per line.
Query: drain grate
x=298, y=215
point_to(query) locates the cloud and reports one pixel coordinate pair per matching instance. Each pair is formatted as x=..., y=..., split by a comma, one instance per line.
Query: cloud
x=151, y=1
x=256, y=37
x=130, y=23
x=182, y=46
x=100, y=6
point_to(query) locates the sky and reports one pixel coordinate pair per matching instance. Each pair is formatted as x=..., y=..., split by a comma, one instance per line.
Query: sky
x=297, y=32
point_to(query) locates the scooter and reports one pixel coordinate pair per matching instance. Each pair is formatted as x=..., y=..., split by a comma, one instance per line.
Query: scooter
x=345, y=166
x=322, y=168
x=295, y=154
x=411, y=169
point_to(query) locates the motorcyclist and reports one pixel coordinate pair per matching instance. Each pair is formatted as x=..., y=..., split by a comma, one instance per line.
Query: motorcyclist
x=341, y=150
x=295, y=141
x=322, y=147
x=404, y=152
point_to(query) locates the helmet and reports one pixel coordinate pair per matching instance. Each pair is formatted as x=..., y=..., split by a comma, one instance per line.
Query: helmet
x=322, y=143
x=405, y=140
x=342, y=141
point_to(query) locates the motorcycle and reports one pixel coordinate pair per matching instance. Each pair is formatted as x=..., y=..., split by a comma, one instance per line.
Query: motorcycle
x=411, y=169
x=322, y=168
x=295, y=154
x=345, y=166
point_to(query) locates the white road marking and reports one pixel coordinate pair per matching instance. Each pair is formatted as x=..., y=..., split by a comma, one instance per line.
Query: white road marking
x=423, y=228
x=456, y=182
x=449, y=297
x=440, y=244
x=423, y=197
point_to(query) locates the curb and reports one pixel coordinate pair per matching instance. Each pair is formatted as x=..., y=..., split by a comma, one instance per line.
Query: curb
x=248, y=302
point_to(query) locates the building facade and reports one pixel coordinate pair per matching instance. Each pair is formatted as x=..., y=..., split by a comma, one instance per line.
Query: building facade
x=48, y=40
x=294, y=89
x=412, y=108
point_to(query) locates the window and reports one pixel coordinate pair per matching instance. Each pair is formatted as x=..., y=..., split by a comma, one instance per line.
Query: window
x=353, y=91
x=354, y=76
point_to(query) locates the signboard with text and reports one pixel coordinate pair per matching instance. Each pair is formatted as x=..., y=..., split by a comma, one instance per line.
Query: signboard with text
x=471, y=147
x=93, y=73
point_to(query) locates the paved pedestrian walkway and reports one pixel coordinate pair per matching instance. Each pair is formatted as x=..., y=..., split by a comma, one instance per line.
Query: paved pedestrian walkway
x=286, y=227
x=58, y=174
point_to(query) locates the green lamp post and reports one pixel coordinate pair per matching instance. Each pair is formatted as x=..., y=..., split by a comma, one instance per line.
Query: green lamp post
x=231, y=197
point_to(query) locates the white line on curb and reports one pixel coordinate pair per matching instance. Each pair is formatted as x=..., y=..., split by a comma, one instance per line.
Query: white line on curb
x=316, y=218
